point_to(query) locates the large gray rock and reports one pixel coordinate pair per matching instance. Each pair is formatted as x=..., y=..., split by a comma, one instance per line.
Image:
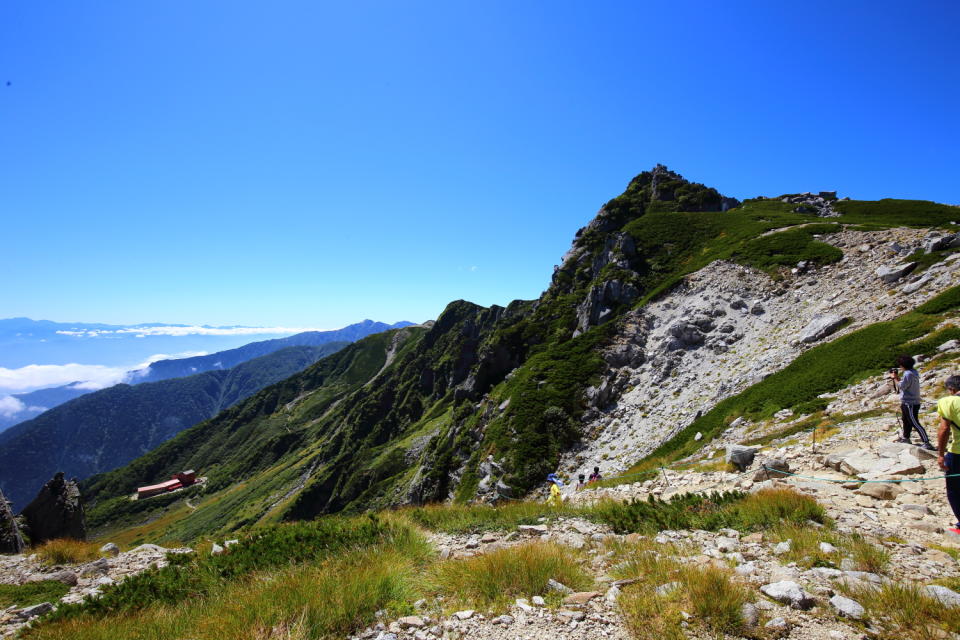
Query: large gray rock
x=947, y=597
x=10, y=539
x=942, y=242
x=769, y=469
x=821, y=327
x=56, y=512
x=894, y=273
x=847, y=608
x=788, y=592
x=740, y=456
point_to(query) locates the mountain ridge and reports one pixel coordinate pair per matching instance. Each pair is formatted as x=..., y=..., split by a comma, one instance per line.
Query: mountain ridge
x=487, y=401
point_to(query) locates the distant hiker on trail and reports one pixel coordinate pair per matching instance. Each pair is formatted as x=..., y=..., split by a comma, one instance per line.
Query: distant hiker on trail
x=595, y=476
x=948, y=408
x=910, y=401
x=556, y=497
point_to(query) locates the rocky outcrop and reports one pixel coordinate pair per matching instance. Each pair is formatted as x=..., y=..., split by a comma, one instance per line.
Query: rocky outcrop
x=10, y=539
x=820, y=205
x=56, y=512
x=821, y=327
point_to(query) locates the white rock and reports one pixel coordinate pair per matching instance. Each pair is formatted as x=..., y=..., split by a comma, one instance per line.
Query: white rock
x=788, y=592
x=847, y=607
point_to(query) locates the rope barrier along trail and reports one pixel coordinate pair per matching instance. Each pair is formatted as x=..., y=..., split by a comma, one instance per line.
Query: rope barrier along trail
x=845, y=480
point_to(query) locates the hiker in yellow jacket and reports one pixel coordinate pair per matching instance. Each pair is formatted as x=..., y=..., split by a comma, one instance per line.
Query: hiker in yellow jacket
x=556, y=498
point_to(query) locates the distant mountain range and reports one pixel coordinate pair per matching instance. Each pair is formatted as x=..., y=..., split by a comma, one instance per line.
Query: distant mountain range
x=35, y=403
x=101, y=430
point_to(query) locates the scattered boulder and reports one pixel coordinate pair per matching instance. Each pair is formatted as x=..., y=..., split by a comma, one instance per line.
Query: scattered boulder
x=894, y=273
x=821, y=327
x=941, y=242
x=788, y=592
x=847, y=608
x=553, y=585
x=56, y=512
x=110, y=549
x=947, y=597
x=879, y=490
x=740, y=456
x=32, y=612
x=768, y=470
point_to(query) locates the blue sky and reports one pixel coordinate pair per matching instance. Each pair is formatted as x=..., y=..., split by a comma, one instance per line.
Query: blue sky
x=312, y=164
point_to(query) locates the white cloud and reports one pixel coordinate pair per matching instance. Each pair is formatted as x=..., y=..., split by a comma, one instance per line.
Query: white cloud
x=10, y=406
x=142, y=332
x=88, y=376
x=39, y=376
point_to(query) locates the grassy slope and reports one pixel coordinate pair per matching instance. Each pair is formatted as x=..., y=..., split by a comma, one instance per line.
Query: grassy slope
x=104, y=429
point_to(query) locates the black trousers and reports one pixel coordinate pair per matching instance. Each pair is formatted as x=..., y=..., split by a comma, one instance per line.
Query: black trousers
x=911, y=421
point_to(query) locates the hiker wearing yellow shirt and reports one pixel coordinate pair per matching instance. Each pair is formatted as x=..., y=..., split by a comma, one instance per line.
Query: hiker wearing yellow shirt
x=949, y=459
x=556, y=498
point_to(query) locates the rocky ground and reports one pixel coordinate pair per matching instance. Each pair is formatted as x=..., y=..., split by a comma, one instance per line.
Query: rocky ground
x=728, y=326
x=84, y=580
x=907, y=519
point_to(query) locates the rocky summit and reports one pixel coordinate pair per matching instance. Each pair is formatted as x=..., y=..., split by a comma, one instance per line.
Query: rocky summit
x=56, y=512
x=721, y=364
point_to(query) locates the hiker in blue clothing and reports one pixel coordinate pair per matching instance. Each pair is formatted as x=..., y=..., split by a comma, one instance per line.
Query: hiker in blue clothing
x=910, y=401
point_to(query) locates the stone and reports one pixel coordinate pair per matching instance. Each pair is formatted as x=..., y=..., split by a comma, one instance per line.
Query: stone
x=749, y=614
x=487, y=538
x=216, y=549
x=941, y=242
x=566, y=615
x=698, y=437
x=947, y=597
x=93, y=568
x=753, y=538
x=504, y=619
x=553, y=585
x=110, y=549
x=581, y=597
x=821, y=327
x=533, y=529
x=782, y=547
x=538, y=601
x=613, y=593
x=466, y=614
x=917, y=508
x=56, y=512
x=229, y=543
x=11, y=541
x=826, y=547
x=32, y=612
x=66, y=577
x=777, y=625
x=769, y=468
x=727, y=545
x=740, y=456
x=879, y=490
x=847, y=608
x=894, y=273
x=790, y=593
x=949, y=345
x=523, y=605
x=411, y=622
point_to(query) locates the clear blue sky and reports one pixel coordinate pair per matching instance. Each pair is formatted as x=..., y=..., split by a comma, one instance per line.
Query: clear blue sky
x=312, y=164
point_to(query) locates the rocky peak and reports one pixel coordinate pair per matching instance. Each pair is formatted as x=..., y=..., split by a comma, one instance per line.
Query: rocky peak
x=56, y=512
